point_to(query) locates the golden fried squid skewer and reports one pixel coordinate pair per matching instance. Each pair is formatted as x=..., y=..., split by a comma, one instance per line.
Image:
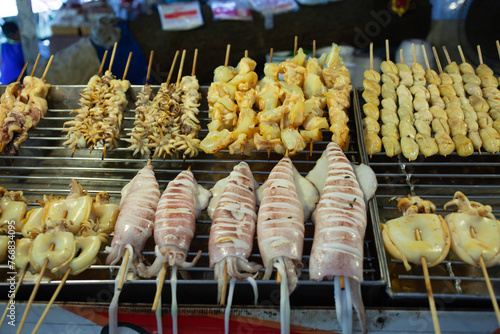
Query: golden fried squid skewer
x=475, y=237
x=419, y=236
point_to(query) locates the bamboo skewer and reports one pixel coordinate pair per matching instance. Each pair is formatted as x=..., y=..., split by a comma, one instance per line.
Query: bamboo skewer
x=123, y=273
x=33, y=293
x=314, y=48
x=195, y=59
x=371, y=56
x=22, y=72
x=102, y=62
x=181, y=65
x=295, y=43
x=21, y=278
x=47, y=67
x=54, y=296
x=480, y=54
x=461, y=54
x=427, y=65
x=228, y=50
x=446, y=54
x=271, y=51
x=36, y=65
x=148, y=73
x=428, y=287
x=488, y=281
x=498, y=48
x=127, y=65
x=161, y=281
x=413, y=52
x=224, y=287
x=112, y=59
x=172, y=67
x=387, y=55
x=436, y=56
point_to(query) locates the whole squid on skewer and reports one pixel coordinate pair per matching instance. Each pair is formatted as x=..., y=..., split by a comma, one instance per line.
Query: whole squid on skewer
x=340, y=224
x=174, y=226
x=233, y=230
x=280, y=228
x=133, y=227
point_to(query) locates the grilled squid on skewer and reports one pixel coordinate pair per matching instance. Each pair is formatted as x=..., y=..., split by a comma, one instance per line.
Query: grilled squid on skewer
x=280, y=231
x=487, y=231
x=174, y=226
x=134, y=224
x=233, y=230
x=399, y=234
x=340, y=223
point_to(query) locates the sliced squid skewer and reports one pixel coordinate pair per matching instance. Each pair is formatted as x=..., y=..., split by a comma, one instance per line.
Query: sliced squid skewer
x=280, y=231
x=174, y=227
x=233, y=231
x=340, y=224
x=133, y=227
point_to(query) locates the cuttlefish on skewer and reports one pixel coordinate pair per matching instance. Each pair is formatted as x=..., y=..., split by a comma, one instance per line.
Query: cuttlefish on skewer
x=340, y=224
x=234, y=215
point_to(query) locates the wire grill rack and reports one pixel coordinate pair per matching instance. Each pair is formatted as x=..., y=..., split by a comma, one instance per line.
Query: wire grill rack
x=45, y=166
x=435, y=178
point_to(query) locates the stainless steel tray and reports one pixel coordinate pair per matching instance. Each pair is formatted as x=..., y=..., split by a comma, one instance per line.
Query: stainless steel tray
x=435, y=178
x=44, y=166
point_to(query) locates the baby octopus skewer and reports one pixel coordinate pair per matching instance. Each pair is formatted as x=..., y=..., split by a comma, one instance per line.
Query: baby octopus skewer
x=233, y=231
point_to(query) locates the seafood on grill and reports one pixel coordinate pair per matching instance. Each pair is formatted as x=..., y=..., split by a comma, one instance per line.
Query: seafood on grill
x=280, y=231
x=167, y=123
x=135, y=221
x=340, y=224
x=233, y=231
x=174, y=226
x=21, y=110
x=400, y=239
x=486, y=240
x=174, y=223
x=98, y=121
x=12, y=210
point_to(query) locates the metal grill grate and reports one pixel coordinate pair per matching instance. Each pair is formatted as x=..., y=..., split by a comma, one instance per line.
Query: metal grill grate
x=44, y=166
x=435, y=178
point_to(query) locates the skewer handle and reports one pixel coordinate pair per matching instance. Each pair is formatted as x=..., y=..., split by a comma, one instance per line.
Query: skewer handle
x=428, y=287
x=54, y=296
x=161, y=280
x=18, y=285
x=123, y=273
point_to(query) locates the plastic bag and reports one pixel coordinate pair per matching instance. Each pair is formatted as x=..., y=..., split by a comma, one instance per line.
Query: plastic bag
x=231, y=10
x=180, y=15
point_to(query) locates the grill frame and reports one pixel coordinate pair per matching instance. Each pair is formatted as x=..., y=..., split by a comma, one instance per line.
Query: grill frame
x=421, y=178
x=44, y=167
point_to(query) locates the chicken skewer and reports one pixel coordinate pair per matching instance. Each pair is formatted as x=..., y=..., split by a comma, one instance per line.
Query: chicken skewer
x=475, y=237
x=133, y=227
x=419, y=236
x=232, y=232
